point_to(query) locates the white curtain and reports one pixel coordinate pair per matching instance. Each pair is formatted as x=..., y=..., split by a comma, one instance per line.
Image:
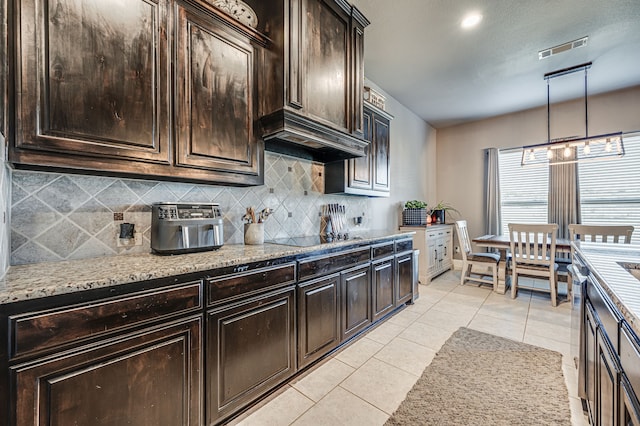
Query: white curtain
x=492, y=223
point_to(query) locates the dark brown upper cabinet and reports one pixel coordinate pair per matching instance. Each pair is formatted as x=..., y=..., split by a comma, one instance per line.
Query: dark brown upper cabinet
x=94, y=90
x=368, y=175
x=311, y=104
x=215, y=97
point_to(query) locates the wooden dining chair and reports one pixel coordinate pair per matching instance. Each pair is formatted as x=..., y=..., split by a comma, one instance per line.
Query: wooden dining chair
x=533, y=253
x=601, y=233
x=480, y=260
x=618, y=234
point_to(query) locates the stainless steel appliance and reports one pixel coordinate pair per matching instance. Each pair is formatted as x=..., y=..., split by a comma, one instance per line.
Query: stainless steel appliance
x=183, y=228
x=579, y=272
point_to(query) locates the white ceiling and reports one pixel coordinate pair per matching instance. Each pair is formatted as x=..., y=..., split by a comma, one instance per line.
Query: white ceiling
x=417, y=52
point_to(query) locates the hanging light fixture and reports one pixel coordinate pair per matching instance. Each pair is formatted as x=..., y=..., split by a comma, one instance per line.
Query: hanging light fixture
x=573, y=150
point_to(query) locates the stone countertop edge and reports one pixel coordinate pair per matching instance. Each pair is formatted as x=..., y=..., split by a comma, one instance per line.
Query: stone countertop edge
x=603, y=260
x=33, y=281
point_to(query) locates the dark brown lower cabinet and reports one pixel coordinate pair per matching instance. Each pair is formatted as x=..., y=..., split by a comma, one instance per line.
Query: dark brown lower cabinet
x=629, y=405
x=189, y=350
x=589, y=372
x=150, y=377
x=404, y=277
x=356, y=300
x=383, y=293
x=318, y=318
x=630, y=377
x=608, y=376
x=250, y=350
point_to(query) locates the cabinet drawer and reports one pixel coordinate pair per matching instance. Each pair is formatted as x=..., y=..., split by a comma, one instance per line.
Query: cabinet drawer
x=439, y=233
x=324, y=265
x=244, y=284
x=36, y=331
x=404, y=245
x=608, y=318
x=381, y=250
x=630, y=356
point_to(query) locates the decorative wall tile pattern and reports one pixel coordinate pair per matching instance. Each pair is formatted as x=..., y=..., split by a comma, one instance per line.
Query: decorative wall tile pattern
x=58, y=216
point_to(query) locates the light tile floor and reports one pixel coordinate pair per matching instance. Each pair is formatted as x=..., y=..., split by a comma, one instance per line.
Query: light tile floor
x=365, y=382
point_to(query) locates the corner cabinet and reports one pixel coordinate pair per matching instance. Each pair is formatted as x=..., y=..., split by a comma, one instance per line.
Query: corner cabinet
x=370, y=174
x=94, y=90
x=435, y=243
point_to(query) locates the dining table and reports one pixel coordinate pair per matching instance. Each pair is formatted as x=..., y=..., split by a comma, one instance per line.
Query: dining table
x=502, y=243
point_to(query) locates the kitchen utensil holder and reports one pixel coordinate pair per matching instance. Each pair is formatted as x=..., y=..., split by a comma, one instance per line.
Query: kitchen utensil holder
x=253, y=233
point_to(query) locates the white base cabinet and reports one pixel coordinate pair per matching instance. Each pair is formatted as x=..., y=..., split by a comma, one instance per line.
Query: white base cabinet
x=435, y=243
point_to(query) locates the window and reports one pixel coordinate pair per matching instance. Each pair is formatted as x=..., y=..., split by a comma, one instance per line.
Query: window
x=610, y=190
x=524, y=191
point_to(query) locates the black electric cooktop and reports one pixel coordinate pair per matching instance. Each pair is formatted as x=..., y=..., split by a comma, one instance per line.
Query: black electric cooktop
x=309, y=241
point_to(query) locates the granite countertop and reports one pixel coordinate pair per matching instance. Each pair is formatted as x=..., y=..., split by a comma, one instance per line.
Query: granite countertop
x=604, y=260
x=37, y=280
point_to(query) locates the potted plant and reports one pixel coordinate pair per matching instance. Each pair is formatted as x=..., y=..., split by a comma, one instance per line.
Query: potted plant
x=414, y=213
x=438, y=212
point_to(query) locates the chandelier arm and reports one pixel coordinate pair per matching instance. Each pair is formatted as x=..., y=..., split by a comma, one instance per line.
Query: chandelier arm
x=548, y=114
x=586, y=105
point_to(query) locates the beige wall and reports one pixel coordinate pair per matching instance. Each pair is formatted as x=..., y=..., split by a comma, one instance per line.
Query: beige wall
x=460, y=170
x=413, y=171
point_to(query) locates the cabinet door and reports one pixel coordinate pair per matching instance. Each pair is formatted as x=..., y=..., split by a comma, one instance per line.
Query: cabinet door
x=383, y=295
x=152, y=378
x=318, y=318
x=629, y=406
x=446, y=251
x=250, y=349
x=93, y=80
x=590, y=358
x=360, y=169
x=432, y=256
x=355, y=301
x=381, y=154
x=608, y=373
x=325, y=47
x=215, y=98
x=404, y=277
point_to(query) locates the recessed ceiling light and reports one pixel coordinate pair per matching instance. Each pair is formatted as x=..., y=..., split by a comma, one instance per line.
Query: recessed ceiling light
x=471, y=20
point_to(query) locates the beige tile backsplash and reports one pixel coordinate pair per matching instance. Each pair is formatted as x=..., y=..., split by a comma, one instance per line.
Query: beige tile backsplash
x=57, y=216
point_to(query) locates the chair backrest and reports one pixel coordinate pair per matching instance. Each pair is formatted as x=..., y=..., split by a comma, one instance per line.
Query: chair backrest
x=601, y=233
x=463, y=238
x=533, y=244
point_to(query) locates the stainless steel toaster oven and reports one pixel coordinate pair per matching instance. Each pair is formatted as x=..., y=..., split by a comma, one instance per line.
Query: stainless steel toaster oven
x=186, y=227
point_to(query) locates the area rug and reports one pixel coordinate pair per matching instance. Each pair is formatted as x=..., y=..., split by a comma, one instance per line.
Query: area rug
x=481, y=379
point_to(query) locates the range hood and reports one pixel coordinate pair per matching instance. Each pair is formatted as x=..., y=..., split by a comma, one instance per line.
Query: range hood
x=311, y=78
x=288, y=133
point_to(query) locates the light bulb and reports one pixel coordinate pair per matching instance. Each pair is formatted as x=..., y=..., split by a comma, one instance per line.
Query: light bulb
x=607, y=146
x=532, y=155
x=549, y=154
x=567, y=151
x=587, y=148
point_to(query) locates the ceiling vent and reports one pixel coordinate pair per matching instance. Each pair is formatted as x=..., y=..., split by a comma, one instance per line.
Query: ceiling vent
x=546, y=53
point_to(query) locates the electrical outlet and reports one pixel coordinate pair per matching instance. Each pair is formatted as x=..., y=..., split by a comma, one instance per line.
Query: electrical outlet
x=457, y=249
x=130, y=242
